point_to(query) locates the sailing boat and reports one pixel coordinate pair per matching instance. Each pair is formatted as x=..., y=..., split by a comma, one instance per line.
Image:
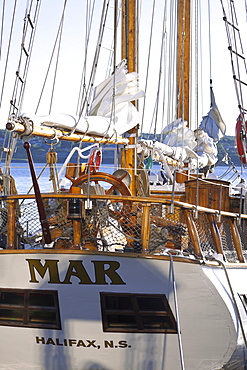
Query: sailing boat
x=123, y=268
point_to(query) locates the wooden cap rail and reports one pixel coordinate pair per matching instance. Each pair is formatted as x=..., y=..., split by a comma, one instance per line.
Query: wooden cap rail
x=152, y=199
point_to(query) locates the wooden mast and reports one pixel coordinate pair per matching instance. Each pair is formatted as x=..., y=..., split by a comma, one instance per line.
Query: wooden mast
x=183, y=60
x=129, y=52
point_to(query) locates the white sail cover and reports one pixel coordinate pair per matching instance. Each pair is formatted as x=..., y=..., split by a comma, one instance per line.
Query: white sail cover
x=108, y=116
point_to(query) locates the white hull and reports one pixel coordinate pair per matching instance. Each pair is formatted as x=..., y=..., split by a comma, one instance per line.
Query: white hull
x=210, y=332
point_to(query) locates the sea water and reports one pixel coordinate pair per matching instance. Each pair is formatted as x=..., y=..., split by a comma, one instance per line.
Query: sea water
x=21, y=174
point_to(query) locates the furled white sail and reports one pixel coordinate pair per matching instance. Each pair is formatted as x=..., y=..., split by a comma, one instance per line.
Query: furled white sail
x=109, y=115
x=198, y=146
x=177, y=134
x=183, y=144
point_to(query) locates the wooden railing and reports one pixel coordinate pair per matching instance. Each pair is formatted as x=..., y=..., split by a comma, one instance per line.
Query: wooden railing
x=185, y=209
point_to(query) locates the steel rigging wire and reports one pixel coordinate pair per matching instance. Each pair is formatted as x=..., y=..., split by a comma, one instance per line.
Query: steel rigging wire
x=85, y=100
x=57, y=42
x=236, y=51
x=148, y=63
x=30, y=22
x=156, y=109
x=88, y=25
x=1, y=33
x=9, y=43
x=58, y=52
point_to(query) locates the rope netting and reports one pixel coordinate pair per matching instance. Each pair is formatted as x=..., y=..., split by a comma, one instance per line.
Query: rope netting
x=110, y=225
x=107, y=226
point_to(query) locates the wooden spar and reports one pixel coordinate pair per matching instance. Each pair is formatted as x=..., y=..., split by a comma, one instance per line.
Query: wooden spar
x=236, y=240
x=40, y=205
x=183, y=60
x=129, y=52
x=11, y=234
x=145, y=230
x=76, y=223
x=129, y=34
x=193, y=233
x=52, y=133
x=215, y=234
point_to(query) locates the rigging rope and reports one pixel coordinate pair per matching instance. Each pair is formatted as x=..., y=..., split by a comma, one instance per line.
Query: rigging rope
x=9, y=136
x=58, y=52
x=115, y=67
x=197, y=15
x=209, y=39
x=171, y=89
x=110, y=63
x=18, y=92
x=58, y=37
x=113, y=108
x=26, y=51
x=85, y=101
x=169, y=71
x=88, y=92
x=8, y=51
x=160, y=70
x=2, y=23
x=238, y=62
x=236, y=50
x=181, y=88
x=148, y=63
x=88, y=25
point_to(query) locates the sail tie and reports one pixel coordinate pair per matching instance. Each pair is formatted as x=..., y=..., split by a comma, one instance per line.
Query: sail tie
x=28, y=127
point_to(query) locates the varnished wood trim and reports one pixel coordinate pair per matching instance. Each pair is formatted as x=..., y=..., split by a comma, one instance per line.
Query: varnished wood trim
x=193, y=233
x=48, y=132
x=11, y=235
x=236, y=240
x=145, y=226
x=57, y=252
x=215, y=234
x=152, y=199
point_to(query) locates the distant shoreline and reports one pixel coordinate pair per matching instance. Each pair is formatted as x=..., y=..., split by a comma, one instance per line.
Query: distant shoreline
x=39, y=149
x=24, y=161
